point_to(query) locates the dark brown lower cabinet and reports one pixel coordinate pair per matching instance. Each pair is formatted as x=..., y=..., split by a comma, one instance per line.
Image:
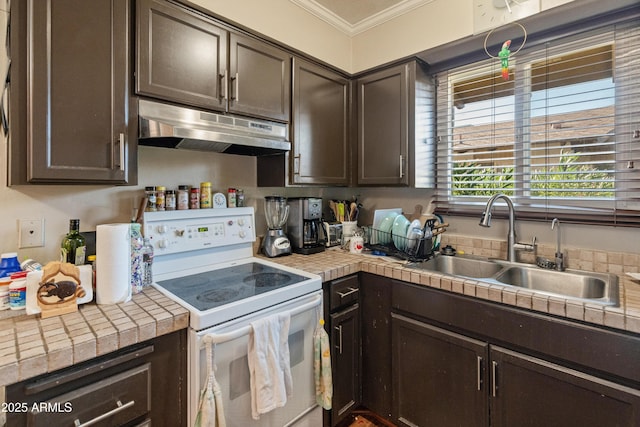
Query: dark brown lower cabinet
x=527, y=391
x=438, y=376
x=460, y=361
x=442, y=378
x=345, y=360
x=140, y=385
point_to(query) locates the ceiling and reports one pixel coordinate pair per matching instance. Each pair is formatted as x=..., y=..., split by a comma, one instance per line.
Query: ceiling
x=355, y=16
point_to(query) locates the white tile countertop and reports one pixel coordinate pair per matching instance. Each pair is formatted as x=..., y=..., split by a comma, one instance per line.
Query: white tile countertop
x=30, y=346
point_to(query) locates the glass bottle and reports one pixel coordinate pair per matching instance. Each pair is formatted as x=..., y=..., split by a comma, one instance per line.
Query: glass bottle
x=73, y=248
x=150, y=192
x=160, y=200
x=170, y=200
x=137, y=242
x=205, y=195
x=147, y=263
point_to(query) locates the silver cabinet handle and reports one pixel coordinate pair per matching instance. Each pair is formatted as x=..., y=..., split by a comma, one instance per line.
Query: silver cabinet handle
x=225, y=85
x=494, y=386
x=106, y=415
x=119, y=160
x=339, y=346
x=296, y=164
x=479, y=367
x=346, y=294
x=236, y=95
x=401, y=166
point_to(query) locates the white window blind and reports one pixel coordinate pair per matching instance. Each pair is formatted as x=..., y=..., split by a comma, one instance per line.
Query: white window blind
x=561, y=137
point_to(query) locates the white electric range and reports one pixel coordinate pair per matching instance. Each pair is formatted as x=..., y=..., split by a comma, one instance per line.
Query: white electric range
x=203, y=259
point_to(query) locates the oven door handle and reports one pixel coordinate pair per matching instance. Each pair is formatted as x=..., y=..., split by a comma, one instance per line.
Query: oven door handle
x=214, y=338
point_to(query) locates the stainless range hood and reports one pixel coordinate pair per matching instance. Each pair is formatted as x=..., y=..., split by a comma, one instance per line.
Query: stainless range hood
x=171, y=126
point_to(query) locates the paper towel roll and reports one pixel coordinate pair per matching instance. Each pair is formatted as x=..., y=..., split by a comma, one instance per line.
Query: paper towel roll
x=113, y=263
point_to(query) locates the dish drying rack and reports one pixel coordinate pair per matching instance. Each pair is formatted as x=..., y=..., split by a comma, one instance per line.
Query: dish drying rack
x=413, y=250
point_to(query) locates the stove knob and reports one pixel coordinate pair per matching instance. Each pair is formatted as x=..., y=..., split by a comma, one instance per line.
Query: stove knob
x=241, y=222
x=163, y=244
x=162, y=229
x=242, y=234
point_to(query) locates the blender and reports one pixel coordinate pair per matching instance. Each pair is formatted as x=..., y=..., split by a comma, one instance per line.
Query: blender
x=275, y=242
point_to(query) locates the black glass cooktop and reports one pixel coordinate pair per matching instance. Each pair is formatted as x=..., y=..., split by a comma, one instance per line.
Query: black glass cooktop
x=218, y=287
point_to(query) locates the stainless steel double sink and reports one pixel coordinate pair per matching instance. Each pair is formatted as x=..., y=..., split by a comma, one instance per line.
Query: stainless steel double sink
x=598, y=288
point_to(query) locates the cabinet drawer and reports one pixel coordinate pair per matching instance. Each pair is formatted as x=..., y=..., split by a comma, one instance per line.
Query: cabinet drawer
x=115, y=400
x=343, y=292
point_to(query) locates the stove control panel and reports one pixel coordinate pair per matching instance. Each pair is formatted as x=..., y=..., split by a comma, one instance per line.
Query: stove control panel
x=183, y=231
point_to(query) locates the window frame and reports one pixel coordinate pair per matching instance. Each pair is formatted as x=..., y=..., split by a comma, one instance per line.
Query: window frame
x=619, y=211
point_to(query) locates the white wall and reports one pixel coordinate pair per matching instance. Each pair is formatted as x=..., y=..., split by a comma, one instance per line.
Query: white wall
x=289, y=24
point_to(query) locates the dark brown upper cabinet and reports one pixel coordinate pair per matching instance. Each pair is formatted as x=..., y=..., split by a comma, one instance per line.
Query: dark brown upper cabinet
x=187, y=58
x=71, y=116
x=320, y=150
x=181, y=56
x=394, y=119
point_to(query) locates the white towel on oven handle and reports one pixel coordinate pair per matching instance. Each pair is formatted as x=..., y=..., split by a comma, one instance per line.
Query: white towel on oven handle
x=210, y=409
x=269, y=363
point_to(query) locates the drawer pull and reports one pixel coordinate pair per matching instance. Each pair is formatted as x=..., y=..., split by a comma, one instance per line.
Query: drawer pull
x=346, y=294
x=106, y=415
x=494, y=377
x=479, y=369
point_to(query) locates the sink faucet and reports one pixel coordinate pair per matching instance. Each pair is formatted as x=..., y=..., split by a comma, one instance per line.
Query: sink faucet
x=555, y=224
x=485, y=221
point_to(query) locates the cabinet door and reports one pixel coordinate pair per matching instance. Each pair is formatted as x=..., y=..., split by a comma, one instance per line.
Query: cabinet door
x=320, y=150
x=259, y=79
x=375, y=300
x=181, y=56
x=345, y=362
x=531, y=392
x=438, y=376
x=77, y=125
x=383, y=126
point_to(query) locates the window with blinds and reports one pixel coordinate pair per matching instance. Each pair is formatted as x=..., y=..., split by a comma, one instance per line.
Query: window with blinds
x=561, y=137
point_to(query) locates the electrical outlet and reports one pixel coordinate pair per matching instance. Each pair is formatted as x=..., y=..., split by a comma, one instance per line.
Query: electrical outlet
x=31, y=233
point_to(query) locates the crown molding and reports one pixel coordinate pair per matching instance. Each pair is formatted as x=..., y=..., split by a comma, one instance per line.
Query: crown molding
x=341, y=24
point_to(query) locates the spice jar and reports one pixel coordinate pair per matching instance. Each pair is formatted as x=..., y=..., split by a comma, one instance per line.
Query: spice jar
x=231, y=199
x=183, y=197
x=170, y=200
x=205, y=195
x=239, y=197
x=160, y=197
x=194, y=198
x=150, y=193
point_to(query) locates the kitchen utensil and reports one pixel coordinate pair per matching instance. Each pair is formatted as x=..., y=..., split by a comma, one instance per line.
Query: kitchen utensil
x=413, y=239
x=276, y=212
x=399, y=231
x=378, y=216
x=353, y=211
x=417, y=212
x=384, y=230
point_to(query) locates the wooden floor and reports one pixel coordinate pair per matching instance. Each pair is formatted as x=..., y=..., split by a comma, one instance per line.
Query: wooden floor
x=365, y=418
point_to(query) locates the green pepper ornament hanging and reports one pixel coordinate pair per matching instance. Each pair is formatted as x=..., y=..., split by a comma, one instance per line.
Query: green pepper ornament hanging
x=505, y=53
x=504, y=59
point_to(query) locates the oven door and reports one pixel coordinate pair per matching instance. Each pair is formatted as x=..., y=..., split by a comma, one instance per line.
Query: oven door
x=232, y=370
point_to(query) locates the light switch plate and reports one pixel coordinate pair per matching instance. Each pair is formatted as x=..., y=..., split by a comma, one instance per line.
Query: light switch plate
x=30, y=233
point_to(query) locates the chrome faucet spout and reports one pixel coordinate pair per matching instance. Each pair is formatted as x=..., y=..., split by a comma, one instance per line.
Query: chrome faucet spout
x=559, y=261
x=485, y=221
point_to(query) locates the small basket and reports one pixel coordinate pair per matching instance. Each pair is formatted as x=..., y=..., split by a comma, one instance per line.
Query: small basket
x=415, y=250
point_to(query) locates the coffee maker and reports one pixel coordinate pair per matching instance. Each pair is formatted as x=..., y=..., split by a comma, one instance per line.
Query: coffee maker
x=304, y=226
